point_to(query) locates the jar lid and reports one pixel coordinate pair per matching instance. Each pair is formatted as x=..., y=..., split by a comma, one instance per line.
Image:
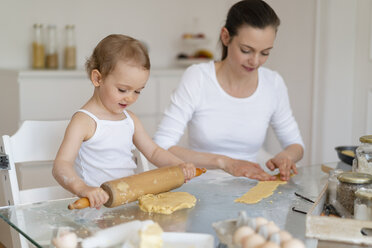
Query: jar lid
x=364, y=193
x=366, y=139
x=355, y=178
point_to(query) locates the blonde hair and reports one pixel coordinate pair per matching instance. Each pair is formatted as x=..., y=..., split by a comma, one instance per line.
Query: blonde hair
x=117, y=47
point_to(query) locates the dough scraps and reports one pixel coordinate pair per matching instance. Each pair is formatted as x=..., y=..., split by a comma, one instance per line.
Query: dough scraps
x=262, y=190
x=166, y=203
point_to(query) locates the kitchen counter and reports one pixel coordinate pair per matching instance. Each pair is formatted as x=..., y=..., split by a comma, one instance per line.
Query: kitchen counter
x=215, y=191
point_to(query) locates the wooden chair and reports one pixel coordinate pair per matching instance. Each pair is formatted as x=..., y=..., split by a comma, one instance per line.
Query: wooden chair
x=37, y=142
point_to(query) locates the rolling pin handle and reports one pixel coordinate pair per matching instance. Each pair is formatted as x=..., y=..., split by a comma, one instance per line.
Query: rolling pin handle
x=79, y=204
x=200, y=171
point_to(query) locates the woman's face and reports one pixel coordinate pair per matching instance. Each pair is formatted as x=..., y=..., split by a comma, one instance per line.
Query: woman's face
x=250, y=48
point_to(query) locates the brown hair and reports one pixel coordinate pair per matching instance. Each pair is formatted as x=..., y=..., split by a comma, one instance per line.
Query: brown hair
x=254, y=13
x=117, y=47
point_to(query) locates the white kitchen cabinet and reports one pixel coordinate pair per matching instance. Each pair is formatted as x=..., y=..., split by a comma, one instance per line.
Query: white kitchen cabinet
x=55, y=95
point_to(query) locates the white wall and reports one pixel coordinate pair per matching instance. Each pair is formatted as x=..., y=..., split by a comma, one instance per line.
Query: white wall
x=334, y=84
x=362, y=115
x=343, y=76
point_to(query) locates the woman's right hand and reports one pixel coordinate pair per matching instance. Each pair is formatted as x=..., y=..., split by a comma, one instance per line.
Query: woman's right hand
x=96, y=195
x=242, y=168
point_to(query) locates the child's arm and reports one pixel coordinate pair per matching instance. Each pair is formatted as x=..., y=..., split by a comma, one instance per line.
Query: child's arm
x=81, y=128
x=154, y=153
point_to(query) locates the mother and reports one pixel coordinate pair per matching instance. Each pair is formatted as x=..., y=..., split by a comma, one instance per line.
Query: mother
x=228, y=105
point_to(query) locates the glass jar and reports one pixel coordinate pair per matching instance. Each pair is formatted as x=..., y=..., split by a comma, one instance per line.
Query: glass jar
x=363, y=204
x=52, y=50
x=363, y=159
x=332, y=184
x=70, y=48
x=349, y=183
x=38, y=51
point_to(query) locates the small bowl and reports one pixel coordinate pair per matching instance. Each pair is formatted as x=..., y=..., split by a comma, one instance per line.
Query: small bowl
x=345, y=157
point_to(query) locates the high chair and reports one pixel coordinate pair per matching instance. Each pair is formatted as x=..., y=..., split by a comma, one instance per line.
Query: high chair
x=36, y=144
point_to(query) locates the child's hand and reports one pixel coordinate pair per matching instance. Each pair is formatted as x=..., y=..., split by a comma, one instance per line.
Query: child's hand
x=97, y=196
x=188, y=170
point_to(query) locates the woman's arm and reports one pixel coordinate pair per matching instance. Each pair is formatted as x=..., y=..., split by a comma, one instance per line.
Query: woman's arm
x=79, y=129
x=154, y=153
x=183, y=103
x=286, y=160
x=288, y=133
x=235, y=167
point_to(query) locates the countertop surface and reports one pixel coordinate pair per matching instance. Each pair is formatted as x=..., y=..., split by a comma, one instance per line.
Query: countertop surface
x=215, y=192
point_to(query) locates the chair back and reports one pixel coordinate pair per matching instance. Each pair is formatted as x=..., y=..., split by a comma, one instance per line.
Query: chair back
x=35, y=141
x=141, y=162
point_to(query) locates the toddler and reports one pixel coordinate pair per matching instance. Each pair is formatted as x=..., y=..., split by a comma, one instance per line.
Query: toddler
x=100, y=137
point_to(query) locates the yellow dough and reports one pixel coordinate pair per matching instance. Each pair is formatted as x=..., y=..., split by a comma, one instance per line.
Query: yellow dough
x=166, y=203
x=262, y=190
x=151, y=236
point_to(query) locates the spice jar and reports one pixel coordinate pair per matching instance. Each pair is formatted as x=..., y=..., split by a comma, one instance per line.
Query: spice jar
x=363, y=160
x=332, y=184
x=38, y=51
x=363, y=204
x=70, y=48
x=52, y=53
x=349, y=183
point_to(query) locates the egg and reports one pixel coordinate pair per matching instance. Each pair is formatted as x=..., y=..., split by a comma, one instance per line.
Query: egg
x=262, y=230
x=272, y=228
x=269, y=245
x=253, y=241
x=65, y=239
x=293, y=243
x=242, y=219
x=284, y=236
x=241, y=233
x=252, y=223
x=260, y=221
x=275, y=238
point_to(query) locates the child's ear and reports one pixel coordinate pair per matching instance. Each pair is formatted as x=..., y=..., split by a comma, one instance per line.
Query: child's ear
x=96, y=78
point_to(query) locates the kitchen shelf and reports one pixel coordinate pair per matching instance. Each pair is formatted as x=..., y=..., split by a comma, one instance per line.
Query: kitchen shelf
x=188, y=62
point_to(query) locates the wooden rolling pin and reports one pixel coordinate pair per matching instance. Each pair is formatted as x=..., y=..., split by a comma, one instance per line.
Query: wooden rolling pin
x=128, y=189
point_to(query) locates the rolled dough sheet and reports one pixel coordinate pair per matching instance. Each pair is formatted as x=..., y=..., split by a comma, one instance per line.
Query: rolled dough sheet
x=262, y=190
x=166, y=203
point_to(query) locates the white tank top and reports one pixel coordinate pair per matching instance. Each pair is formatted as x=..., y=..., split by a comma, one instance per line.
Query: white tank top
x=107, y=155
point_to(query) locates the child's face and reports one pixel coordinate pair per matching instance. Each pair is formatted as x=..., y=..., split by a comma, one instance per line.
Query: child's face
x=122, y=86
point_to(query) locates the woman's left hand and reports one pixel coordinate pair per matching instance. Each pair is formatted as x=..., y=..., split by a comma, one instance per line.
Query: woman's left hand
x=284, y=164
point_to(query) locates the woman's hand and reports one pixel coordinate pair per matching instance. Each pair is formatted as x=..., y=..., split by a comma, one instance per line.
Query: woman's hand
x=97, y=196
x=242, y=168
x=189, y=170
x=284, y=164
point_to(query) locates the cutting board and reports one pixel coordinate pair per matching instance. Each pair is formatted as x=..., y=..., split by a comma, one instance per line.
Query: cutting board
x=333, y=228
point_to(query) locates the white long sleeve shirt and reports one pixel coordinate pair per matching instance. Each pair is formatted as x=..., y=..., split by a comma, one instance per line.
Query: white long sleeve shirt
x=222, y=124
